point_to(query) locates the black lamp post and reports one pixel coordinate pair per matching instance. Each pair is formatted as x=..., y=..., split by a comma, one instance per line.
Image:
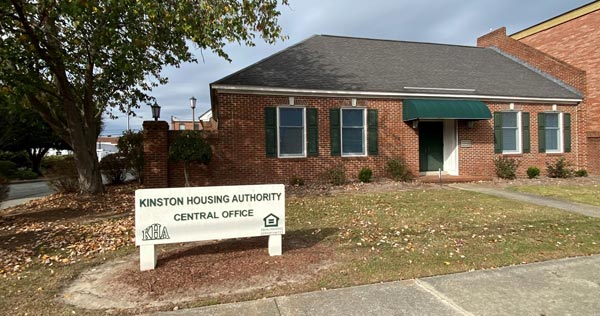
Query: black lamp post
x=155, y=112
x=193, y=105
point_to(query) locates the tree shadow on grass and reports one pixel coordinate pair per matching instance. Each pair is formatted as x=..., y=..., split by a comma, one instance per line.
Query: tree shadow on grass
x=292, y=240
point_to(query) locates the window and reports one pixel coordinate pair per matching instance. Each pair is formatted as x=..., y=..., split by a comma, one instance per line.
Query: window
x=292, y=132
x=553, y=133
x=353, y=132
x=181, y=127
x=511, y=132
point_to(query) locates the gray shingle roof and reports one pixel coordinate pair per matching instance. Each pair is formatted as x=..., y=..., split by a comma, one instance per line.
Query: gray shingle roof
x=325, y=62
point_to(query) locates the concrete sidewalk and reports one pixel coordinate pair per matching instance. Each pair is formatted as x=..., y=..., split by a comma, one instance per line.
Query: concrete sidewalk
x=559, y=287
x=573, y=207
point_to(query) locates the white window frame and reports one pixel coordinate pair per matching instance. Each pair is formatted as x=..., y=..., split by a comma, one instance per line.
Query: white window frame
x=519, y=134
x=561, y=136
x=181, y=127
x=279, y=154
x=365, y=131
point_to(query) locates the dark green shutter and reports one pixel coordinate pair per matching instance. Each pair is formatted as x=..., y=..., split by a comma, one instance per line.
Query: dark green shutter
x=313, y=132
x=271, y=131
x=334, y=132
x=526, y=132
x=498, y=132
x=372, y=132
x=542, y=132
x=567, y=131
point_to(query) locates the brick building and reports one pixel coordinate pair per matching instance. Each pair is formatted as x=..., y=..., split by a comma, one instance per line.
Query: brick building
x=358, y=102
x=205, y=122
x=574, y=37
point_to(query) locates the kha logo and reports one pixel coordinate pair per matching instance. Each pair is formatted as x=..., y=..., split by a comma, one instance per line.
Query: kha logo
x=155, y=232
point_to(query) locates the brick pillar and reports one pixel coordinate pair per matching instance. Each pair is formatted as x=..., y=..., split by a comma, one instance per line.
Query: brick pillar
x=156, y=154
x=593, y=139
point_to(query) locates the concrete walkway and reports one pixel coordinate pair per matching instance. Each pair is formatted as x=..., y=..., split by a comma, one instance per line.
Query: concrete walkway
x=573, y=207
x=559, y=287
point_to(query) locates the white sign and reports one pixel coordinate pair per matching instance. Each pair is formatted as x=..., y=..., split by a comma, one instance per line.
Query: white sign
x=176, y=215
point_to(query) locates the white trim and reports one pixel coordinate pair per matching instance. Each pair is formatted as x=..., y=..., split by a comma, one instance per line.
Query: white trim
x=279, y=154
x=364, y=154
x=561, y=134
x=440, y=89
x=377, y=94
x=519, y=134
x=450, y=137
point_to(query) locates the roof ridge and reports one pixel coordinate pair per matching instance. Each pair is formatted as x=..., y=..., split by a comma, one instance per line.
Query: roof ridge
x=399, y=41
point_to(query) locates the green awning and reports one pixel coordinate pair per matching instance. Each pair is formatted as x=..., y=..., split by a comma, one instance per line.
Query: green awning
x=420, y=109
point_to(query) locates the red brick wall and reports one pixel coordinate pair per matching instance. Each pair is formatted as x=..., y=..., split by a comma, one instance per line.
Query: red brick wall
x=576, y=42
x=547, y=63
x=156, y=155
x=561, y=69
x=240, y=158
x=534, y=158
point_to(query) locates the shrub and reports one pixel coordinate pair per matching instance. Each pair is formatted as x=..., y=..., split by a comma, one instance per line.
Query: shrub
x=20, y=158
x=3, y=188
x=296, y=181
x=559, y=169
x=506, y=168
x=336, y=175
x=365, y=174
x=581, y=173
x=533, y=172
x=131, y=147
x=188, y=147
x=8, y=169
x=63, y=174
x=114, y=168
x=398, y=170
x=26, y=175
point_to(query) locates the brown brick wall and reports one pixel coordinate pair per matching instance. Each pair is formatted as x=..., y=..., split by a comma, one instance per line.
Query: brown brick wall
x=240, y=158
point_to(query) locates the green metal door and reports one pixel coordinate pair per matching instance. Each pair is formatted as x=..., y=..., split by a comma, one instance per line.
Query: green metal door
x=431, y=146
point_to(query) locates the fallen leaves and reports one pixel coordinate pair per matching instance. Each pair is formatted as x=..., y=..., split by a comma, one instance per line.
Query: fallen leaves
x=65, y=228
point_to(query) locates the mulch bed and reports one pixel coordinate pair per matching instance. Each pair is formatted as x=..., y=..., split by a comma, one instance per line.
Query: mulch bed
x=237, y=265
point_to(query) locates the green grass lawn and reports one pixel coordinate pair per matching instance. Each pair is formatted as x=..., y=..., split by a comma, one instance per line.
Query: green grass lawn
x=374, y=237
x=588, y=194
x=391, y=236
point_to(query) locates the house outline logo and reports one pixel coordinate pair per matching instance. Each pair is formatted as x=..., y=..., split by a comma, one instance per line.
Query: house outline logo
x=271, y=220
x=155, y=232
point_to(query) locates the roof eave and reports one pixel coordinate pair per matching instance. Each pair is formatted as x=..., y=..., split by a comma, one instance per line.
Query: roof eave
x=263, y=90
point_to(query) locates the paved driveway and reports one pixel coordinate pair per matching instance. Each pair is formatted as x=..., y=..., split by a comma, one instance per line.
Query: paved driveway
x=26, y=191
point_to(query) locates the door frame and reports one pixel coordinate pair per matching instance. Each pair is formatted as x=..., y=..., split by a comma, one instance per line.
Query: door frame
x=450, y=148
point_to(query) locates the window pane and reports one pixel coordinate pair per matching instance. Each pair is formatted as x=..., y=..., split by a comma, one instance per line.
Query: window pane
x=352, y=117
x=509, y=119
x=290, y=117
x=509, y=139
x=291, y=140
x=352, y=141
x=552, y=139
x=551, y=119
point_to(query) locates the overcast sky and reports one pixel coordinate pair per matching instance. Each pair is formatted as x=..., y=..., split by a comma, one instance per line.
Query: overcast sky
x=438, y=21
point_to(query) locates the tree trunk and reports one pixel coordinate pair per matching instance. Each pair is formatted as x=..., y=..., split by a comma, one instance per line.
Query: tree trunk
x=88, y=168
x=36, y=156
x=185, y=173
